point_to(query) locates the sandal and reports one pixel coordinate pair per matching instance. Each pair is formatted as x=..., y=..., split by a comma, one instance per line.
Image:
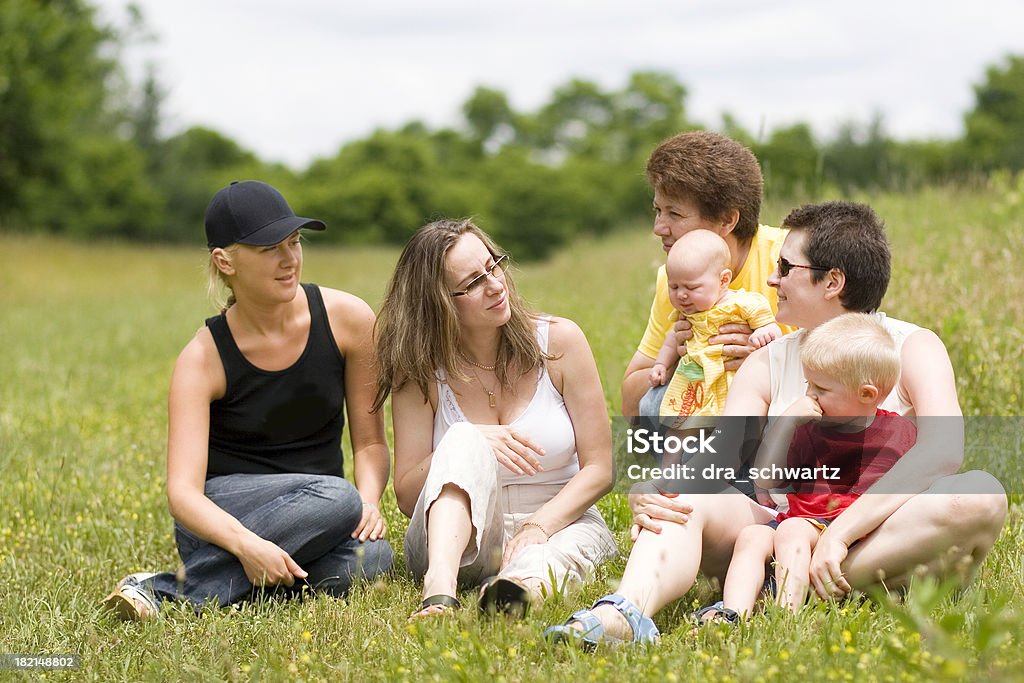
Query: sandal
x=722, y=615
x=500, y=594
x=449, y=605
x=592, y=633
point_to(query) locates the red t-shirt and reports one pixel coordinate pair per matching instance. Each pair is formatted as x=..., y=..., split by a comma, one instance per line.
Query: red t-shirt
x=853, y=461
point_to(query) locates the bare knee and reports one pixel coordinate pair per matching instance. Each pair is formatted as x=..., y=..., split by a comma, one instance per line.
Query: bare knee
x=974, y=509
x=794, y=535
x=453, y=492
x=755, y=539
x=985, y=499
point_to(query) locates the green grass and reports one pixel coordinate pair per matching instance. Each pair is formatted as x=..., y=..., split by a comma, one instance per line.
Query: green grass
x=89, y=334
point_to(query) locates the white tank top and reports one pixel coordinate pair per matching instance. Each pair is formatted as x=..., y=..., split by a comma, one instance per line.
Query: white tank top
x=787, y=375
x=545, y=420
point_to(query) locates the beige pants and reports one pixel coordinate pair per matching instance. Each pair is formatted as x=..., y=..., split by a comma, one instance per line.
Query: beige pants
x=464, y=459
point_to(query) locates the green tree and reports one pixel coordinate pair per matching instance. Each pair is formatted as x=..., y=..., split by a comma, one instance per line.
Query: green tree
x=791, y=162
x=52, y=80
x=63, y=165
x=384, y=187
x=995, y=127
x=649, y=109
x=188, y=168
x=575, y=121
x=859, y=156
x=533, y=210
x=490, y=118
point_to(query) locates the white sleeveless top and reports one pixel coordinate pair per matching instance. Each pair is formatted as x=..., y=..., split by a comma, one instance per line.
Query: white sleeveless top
x=787, y=375
x=545, y=420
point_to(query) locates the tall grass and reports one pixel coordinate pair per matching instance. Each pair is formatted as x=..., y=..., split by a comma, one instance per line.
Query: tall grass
x=89, y=334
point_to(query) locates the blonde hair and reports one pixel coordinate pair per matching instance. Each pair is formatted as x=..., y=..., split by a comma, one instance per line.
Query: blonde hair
x=855, y=349
x=218, y=288
x=417, y=332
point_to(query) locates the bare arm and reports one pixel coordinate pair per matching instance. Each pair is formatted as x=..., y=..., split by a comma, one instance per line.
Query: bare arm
x=668, y=356
x=635, y=383
x=779, y=438
x=197, y=380
x=352, y=323
x=413, y=419
x=574, y=375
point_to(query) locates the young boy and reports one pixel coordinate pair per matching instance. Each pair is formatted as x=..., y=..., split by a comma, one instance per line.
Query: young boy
x=831, y=446
x=698, y=283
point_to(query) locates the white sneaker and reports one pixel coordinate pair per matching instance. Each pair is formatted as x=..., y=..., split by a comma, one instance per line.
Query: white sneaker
x=132, y=599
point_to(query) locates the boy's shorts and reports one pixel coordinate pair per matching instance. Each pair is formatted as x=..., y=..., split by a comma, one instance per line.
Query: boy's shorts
x=817, y=522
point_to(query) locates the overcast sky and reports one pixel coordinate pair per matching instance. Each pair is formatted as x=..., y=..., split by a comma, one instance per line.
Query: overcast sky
x=295, y=79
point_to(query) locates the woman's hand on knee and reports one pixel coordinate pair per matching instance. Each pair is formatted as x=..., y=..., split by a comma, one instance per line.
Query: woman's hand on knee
x=825, y=570
x=512, y=449
x=372, y=526
x=652, y=508
x=266, y=564
x=529, y=534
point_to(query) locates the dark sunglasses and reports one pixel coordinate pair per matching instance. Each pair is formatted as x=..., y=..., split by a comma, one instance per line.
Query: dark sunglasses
x=785, y=266
x=494, y=271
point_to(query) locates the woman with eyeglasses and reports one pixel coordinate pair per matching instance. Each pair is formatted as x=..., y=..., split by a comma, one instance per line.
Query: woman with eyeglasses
x=502, y=438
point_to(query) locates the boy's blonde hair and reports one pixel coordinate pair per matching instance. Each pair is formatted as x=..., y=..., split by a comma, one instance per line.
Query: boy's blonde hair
x=855, y=349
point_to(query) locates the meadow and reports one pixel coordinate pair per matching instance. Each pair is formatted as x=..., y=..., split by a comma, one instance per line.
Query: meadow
x=89, y=334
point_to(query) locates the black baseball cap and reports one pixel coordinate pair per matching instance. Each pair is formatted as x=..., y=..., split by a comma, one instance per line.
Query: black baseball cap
x=252, y=212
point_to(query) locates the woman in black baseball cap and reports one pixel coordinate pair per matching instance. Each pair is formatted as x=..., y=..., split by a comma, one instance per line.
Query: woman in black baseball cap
x=256, y=410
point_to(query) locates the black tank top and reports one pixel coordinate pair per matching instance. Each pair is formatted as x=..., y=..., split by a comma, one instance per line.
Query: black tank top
x=286, y=421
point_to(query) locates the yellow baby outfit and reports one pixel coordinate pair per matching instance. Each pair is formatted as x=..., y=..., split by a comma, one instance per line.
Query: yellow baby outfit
x=700, y=383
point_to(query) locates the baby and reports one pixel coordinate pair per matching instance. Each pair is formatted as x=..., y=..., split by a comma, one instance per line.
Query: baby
x=698, y=287
x=839, y=438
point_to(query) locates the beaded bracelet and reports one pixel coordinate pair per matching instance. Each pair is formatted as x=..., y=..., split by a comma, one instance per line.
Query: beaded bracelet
x=530, y=523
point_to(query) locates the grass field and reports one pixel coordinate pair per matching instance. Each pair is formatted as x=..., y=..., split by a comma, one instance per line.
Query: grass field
x=89, y=334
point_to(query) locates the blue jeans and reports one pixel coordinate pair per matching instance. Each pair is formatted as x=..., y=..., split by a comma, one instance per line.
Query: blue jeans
x=311, y=517
x=650, y=407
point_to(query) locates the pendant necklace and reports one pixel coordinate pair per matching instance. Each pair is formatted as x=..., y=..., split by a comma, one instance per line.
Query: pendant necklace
x=491, y=399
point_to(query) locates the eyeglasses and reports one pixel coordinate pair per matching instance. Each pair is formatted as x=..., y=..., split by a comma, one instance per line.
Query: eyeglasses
x=494, y=271
x=785, y=266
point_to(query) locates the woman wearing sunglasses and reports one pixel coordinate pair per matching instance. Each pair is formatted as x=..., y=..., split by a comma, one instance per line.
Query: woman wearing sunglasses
x=922, y=517
x=502, y=437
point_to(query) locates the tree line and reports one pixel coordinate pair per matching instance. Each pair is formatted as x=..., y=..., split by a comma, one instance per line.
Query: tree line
x=81, y=153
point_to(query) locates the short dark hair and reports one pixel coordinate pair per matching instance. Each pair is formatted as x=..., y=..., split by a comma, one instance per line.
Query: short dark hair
x=850, y=237
x=717, y=173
